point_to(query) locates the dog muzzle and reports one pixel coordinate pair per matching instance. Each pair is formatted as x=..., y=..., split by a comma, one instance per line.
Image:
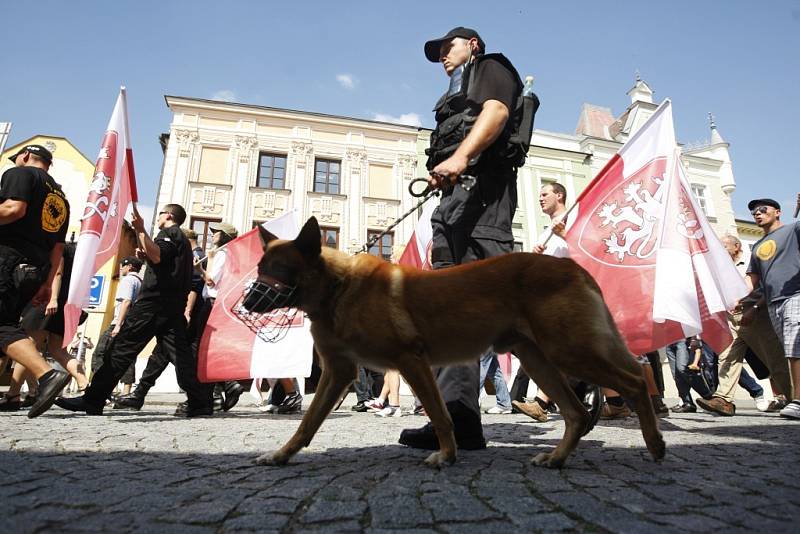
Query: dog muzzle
x=267, y=308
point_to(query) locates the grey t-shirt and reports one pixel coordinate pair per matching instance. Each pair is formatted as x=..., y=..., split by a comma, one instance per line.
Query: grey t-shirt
x=776, y=259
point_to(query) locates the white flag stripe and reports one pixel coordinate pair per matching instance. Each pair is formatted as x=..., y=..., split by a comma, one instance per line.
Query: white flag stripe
x=292, y=356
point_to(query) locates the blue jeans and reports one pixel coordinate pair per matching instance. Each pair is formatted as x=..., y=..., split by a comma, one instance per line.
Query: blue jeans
x=679, y=360
x=491, y=367
x=750, y=385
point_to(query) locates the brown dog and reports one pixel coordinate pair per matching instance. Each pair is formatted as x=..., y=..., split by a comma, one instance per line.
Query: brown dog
x=548, y=311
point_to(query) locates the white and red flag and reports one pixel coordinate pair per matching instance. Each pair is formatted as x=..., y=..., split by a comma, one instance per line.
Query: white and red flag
x=113, y=187
x=418, y=248
x=229, y=350
x=664, y=273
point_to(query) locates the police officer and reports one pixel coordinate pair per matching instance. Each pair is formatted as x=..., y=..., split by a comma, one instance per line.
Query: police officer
x=476, y=122
x=158, y=311
x=34, y=215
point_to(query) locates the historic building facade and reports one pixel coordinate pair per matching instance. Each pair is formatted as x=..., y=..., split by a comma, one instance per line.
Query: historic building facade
x=247, y=164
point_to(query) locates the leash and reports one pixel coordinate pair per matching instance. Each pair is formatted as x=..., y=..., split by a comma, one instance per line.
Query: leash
x=466, y=181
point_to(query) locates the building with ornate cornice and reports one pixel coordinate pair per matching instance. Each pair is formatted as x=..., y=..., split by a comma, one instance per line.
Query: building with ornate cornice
x=246, y=164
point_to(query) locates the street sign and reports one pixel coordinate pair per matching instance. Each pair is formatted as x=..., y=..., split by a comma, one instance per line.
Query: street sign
x=96, y=288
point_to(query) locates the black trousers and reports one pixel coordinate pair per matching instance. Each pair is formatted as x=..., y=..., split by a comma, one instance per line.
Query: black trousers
x=454, y=246
x=15, y=294
x=368, y=385
x=104, y=346
x=162, y=318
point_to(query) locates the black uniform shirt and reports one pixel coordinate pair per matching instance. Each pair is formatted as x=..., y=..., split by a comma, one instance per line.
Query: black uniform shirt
x=47, y=216
x=172, y=276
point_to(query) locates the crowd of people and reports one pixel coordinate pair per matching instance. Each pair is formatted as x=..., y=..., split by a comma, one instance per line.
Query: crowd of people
x=168, y=289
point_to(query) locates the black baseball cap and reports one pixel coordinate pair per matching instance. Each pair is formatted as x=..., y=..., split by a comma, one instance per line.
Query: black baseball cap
x=763, y=202
x=133, y=261
x=37, y=150
x=433, y=46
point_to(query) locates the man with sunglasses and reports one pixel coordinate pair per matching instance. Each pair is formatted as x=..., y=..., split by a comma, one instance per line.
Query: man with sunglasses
x=775, y=264
x=159, y=311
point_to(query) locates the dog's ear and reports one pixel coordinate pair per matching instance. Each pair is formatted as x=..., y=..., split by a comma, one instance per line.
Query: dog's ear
x=309, y=242
x=266, y=236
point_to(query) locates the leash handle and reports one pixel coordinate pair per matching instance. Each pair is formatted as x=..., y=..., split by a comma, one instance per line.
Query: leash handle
x=466, y=181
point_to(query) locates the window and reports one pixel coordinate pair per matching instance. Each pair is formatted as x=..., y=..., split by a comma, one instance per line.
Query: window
x=200, y=226
x=330, y=237
x=699, y=192
x=383, y=248
x=326, y=176
x=271, y=171
x=518, y=246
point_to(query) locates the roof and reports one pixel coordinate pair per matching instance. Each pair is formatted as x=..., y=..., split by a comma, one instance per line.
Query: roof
x=287, y=110
x=594, y=121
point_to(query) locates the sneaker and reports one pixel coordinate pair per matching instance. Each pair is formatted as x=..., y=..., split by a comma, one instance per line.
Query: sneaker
x=498, y=410
x=419, y=410
x=776, y=405
x=761, y=403
x=791, y=410
x=390, y=411
x=609, y=411
x=532, y=410
x=268, y=408
x=374, y=405
x=718, y=406
x=292, y=403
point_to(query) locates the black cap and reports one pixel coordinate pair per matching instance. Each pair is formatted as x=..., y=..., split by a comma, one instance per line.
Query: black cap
x=133, y=261
x=763, y=202
x=433, y=46
x=37, y=150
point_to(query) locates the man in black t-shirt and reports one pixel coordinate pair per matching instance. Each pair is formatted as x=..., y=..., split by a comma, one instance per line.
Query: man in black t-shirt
x=474, y=122
x=34, y=215
x=158, y=311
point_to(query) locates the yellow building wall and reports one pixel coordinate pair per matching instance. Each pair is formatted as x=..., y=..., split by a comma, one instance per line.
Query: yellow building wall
x=74, y=171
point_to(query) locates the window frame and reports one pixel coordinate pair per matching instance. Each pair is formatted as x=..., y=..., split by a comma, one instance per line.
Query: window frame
x=272, y=178
x=380, y=245
x=327, y=188
x=204, y=240
x=334, y=229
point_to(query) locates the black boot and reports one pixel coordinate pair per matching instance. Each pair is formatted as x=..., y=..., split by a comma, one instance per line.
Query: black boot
x=231, y=391
x=131, y=401
x=466, y=427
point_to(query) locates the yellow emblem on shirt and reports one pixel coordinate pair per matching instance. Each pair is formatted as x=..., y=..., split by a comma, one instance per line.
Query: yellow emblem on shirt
x=766, y=250
x=54, y=212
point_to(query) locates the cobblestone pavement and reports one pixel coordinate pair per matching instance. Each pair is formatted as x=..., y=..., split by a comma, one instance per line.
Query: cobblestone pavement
x=147, y=471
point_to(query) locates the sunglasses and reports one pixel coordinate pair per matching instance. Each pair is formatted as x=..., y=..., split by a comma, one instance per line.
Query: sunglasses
x=760, y=209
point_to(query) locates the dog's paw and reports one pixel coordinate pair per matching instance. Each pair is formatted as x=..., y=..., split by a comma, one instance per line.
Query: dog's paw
x=658, y=449
x=272, y=458
x=439, y=460
x=547, y=459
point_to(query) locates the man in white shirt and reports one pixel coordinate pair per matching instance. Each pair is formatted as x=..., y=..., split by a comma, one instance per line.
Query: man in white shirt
x=552, y=199
x=130, y=281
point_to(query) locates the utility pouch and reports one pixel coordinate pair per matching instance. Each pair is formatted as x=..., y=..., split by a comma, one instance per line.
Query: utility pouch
x=26, y=275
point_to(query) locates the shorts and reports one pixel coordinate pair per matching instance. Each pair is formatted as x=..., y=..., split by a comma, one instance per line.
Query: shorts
x=13, y=296
x=785, y=317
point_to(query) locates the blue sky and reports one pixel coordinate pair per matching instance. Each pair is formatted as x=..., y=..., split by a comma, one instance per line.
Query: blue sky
x=739, y=60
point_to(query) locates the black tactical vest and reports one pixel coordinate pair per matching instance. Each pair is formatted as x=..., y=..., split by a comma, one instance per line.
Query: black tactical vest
x=456, y=115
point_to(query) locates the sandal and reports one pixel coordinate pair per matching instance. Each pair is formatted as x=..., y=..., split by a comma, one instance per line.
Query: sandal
x=29, y=401
x=10, y=403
